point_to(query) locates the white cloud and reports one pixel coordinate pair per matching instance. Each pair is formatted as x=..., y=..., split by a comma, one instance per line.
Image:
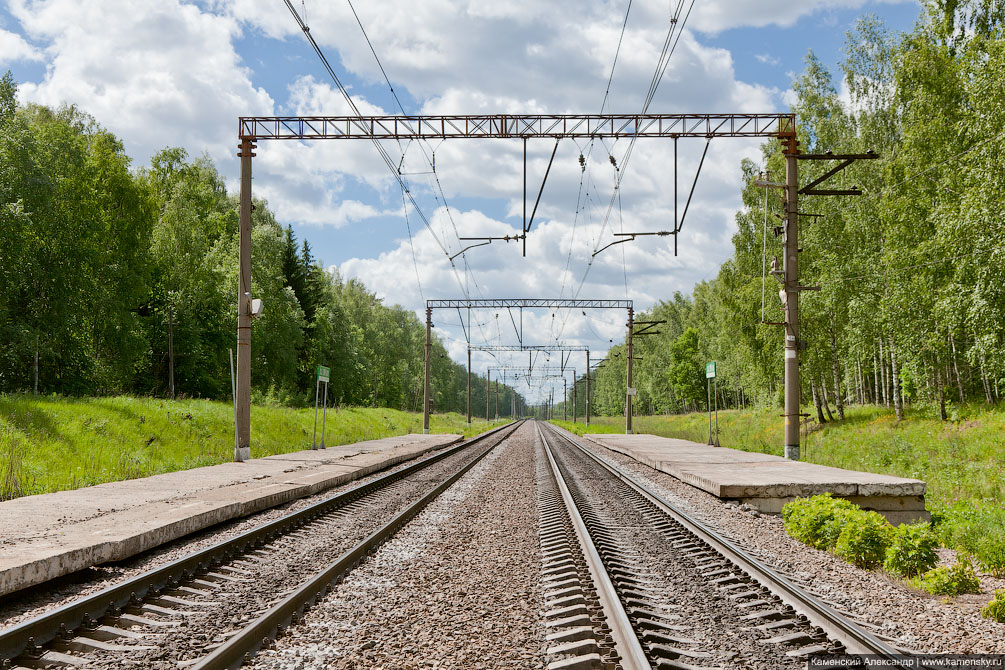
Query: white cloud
x=14, y=48
x=767, y=59
x=161, y=73
x=349, y=211
x=156, y=73
x=714, y=17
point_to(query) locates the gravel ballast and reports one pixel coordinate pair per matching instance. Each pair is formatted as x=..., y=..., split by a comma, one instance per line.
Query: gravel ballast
x=915, y=621
x=22, y=606
x=204, y=617
x=458, y=587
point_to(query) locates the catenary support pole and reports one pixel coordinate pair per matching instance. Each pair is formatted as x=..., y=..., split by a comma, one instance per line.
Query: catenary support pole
x=469, y=386
x=575, y=383
x=242, y=451
x=587, y=387
x=791, y=285
x=426, y=398
x=565, y=399
x=497, y=398
x=629, y=390
x=488, y=387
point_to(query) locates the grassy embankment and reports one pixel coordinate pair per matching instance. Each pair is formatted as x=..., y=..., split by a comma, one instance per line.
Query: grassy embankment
x=963, y=461
x=56, y=443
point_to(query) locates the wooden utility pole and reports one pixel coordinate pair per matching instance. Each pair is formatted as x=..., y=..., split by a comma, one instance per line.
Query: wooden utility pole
x=426, y=398
x=629, y=391
x=242, y=450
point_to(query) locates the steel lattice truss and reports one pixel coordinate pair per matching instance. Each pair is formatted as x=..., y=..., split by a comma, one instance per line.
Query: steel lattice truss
x=531, y=347
x=256, y=128
x=529, y=302
x=537, y=368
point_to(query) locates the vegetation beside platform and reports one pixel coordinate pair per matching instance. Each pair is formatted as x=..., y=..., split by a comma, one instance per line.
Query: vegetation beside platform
x=54, y=443
x=961, y=460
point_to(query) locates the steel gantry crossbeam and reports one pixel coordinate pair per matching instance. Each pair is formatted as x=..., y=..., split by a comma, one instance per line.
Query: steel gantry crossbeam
x=530, y=347
x=545, y=303
x=252, y=129
x=556, y=126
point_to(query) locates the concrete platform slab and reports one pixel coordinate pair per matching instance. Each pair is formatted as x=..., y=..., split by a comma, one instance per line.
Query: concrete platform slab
x=49, y=535
x=767, y=482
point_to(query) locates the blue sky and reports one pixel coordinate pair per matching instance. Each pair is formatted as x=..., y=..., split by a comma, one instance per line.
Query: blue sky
x=166, y=72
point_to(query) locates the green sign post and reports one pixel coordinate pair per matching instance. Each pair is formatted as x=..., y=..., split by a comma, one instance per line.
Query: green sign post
x=712, y=384
x=323, y=374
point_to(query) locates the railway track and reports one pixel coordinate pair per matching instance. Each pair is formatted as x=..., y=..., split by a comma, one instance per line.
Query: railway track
x=215, y=607
x=668, y=590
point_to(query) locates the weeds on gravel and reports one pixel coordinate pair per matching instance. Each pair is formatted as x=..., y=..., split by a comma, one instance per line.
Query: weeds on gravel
x=864, y=539
x=949, y=580
x=995, y=610
x=818, y=520
x=912, y=550
x=976, y=527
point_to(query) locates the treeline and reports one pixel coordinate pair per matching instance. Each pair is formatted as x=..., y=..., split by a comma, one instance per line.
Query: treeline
x=110, y=277
x=911, y=308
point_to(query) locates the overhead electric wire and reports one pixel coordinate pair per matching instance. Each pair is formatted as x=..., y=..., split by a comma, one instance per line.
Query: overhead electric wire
x=411, y=245
x=468, y=272
x=380, y=149
x=431, y=163
x=616, y=53
x=661, y=67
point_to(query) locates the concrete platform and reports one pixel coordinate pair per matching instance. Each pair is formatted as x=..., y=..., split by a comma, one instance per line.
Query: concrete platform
x=768, y=482
x=46, y=536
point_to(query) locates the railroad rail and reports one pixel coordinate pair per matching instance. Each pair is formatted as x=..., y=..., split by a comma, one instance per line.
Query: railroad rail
x=794, y=617
x=79, y=622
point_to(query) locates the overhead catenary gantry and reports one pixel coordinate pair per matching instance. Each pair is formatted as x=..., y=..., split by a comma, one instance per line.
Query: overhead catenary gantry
x=539, y=303
x=255, y=129
x=539, y=348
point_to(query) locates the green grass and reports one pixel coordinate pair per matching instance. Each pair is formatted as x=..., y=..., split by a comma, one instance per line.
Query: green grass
x=56, y=443
x=963, y=460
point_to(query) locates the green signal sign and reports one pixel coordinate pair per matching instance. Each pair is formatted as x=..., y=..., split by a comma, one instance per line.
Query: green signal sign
x=323, y=373
x=710, y=370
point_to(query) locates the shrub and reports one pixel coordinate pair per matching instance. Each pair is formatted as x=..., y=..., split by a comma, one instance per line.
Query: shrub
x=818, y=520
x=864, y=538
x=995, y=610
x=912, y=550
x=990, y=552
x=949, y=581
x=974, y=526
